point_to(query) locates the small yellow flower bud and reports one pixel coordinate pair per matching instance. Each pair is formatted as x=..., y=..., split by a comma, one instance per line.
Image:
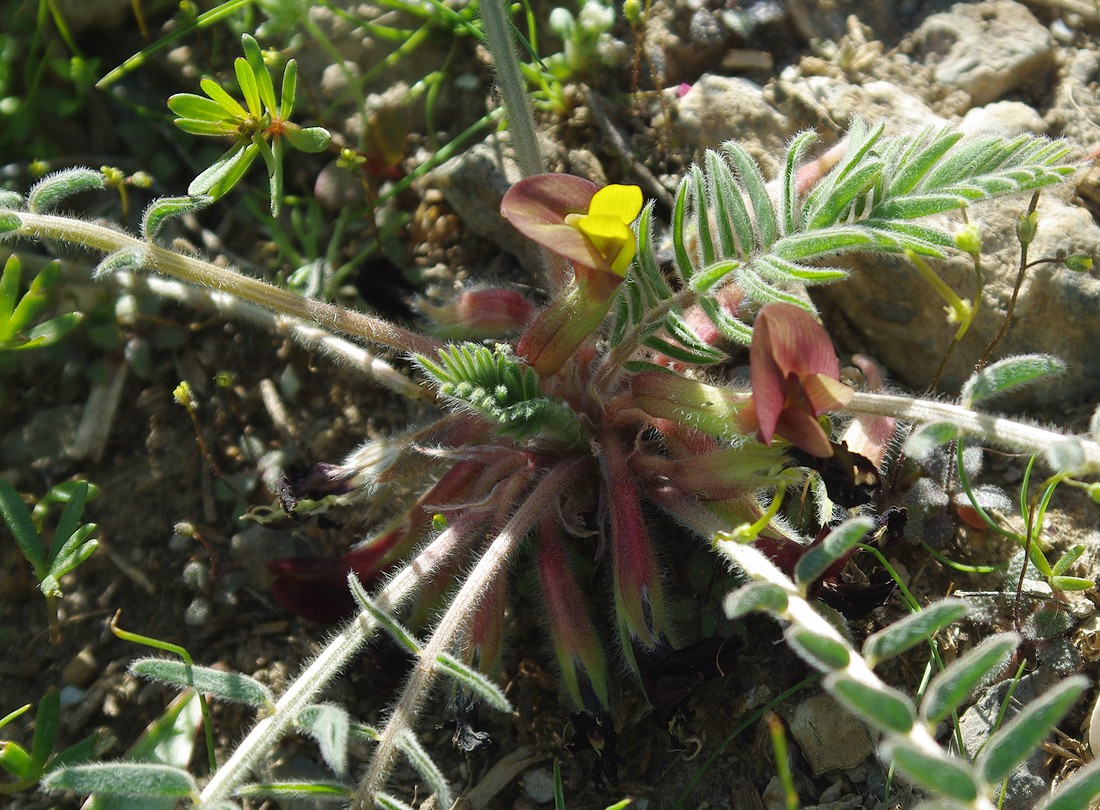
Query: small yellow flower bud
x=1078, y=262
x=969, y=240
x=1026, y=228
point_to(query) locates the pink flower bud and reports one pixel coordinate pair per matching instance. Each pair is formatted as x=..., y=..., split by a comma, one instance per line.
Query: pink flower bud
x=478, y=314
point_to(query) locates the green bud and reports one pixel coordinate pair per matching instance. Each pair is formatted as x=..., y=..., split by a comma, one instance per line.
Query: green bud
x=969, y=240
x=1093, y=490
x=1078, y=262
x=1026, y=228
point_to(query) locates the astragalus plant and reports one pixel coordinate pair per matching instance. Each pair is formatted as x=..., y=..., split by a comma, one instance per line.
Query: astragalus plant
x=563, y=427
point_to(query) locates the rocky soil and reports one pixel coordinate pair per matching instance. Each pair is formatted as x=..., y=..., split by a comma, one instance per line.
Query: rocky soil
x=180, y=566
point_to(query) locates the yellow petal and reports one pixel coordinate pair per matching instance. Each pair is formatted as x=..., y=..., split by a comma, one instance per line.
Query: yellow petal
x=624, y=203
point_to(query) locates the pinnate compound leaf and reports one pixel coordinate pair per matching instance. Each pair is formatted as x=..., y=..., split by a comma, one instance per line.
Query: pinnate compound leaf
x=329, y=725
x=902, y=635
x=139, y=780
x=826, y=653
x=1022, y=734
x=950, y=688
x=836, y=544
x=504, y=391
x=935, y=771
x=1012, y=372
x=883, y=707
x=764, y=596
x=48, y=192
x=232, y=686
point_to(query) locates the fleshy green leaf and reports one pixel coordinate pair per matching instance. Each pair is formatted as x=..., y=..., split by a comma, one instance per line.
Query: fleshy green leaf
x=230, y=106
x=18, y=518
x=388, y=623
x=48, y=192
x=47, y=720
x=1022, y=734
x=192, y=107
x=896, y=638
x=48, y=332
x=825, y=653
x=218, y=178
x=232, y=686
x=311, y=791
x=308, y=139
x=957, y=682
x=1012, y=372
x=289, y=89
x=881, y=706
x=135, y=780
x=125, y=260
x=936, y=772
x=1078, y=792
x=163, y=209
x=836, y=544
x=264, y=86
x=9, y=293
x=764, y=596
x=1071, y=583
x=427, y=769
x=927, y=438
x=329, y=725
x=475, y=682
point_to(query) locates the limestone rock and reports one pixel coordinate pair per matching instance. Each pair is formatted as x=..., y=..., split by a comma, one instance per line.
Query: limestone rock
x=985, y=49
x=894, y=316
x=721, y=108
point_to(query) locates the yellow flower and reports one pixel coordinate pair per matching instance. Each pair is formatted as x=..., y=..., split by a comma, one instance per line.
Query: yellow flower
x=607, y=224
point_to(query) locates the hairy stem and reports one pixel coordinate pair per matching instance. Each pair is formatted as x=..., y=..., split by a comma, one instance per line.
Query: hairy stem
x=996, y=430
x=489, y=568
x=306, y=335
x=197, y=271
x=328, y=664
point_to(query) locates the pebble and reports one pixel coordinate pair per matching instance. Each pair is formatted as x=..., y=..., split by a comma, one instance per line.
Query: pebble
x=81, y=669
x=830, y=737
